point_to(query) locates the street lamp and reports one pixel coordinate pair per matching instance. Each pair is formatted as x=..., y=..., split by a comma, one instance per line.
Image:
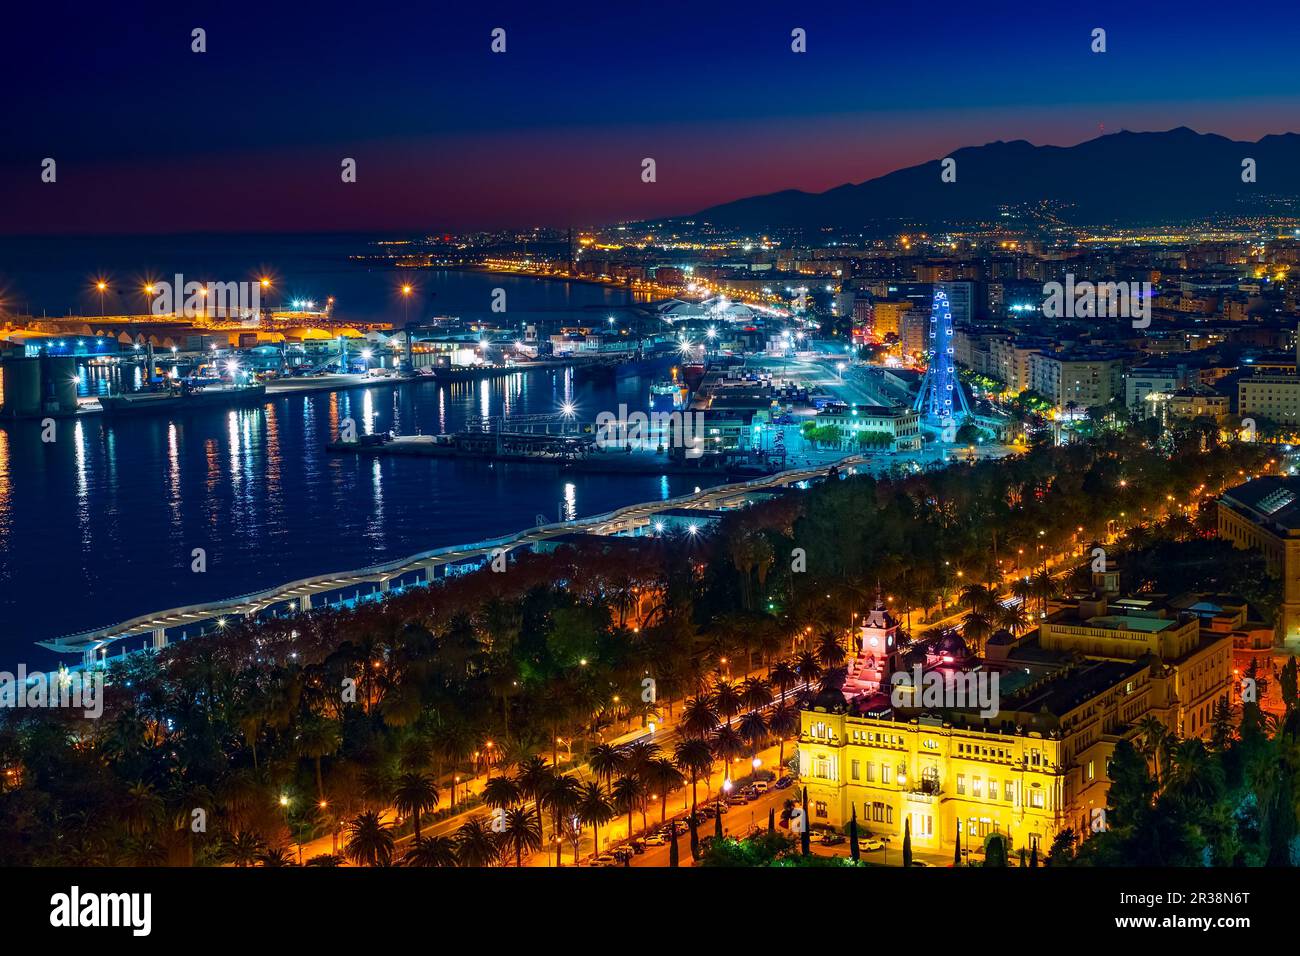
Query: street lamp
x=102, y=287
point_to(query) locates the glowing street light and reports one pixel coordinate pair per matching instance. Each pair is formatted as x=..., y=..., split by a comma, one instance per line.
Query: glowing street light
x=101, y=286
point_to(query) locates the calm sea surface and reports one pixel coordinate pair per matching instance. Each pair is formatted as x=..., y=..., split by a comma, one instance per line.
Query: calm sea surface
x=99, y=525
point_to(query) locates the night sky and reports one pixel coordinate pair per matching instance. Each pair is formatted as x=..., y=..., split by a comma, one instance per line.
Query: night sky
x=150, y=137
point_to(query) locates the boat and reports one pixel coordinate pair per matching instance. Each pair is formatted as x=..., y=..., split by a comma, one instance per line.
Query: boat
x=669, y=395
x=184, y=399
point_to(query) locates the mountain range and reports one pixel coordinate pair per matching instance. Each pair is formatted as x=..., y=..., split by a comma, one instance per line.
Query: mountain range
x=1123, y=179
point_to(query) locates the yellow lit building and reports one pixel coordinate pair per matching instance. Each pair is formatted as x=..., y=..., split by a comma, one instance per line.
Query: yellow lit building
x=1065, y=696
x=1028, y=773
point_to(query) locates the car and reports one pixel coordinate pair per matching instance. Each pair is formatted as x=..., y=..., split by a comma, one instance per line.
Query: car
x=623, y=854
x=749, y=793
x=605, y=859
x=919, y=863
x=831, y=838
x=656, y=839
x=708, y=811
x=760, y=786
x=871, y=843
x=737, y=800
x=784, y=782
x=637, y=845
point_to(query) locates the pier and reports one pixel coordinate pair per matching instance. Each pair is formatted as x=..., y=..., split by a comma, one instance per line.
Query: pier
x=346, y=588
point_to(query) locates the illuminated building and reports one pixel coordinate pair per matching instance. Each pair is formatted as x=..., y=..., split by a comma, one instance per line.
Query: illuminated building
x=1264, y=514
x=1037, y=765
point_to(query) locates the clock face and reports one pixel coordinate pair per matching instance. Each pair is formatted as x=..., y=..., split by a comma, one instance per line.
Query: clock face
x=889, y=643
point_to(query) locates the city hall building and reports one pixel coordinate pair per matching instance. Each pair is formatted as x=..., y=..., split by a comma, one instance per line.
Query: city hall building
x=1036, y=767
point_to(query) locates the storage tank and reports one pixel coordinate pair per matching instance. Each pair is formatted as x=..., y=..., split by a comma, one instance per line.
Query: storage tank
x=22, y=387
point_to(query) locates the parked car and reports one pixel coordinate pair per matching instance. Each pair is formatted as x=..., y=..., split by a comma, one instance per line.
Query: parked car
x=656, y=839
x=737, y=800
x=637, y=845
x=784, y=782
x=831, y=838
x=919, y=863
x=623, y=854
x=871, y=843
x=605, y=859
x=760, y=786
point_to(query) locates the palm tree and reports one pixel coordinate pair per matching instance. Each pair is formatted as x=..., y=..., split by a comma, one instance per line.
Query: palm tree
x=1013, y=617
x=699, y=716
x=277, y=856
x=476, y=844
x=535, y=777
x=663, y=776
x=318, y=737
x=783, y=676
x=595, y=808
x=753, y=728
x=629, y=794
x=727, y=745
x=978, y=598
x=562, y=799
x=695, y=759
x=370, y=840
x=830, y=652
x=976, y=630
x=521, y=832
x=726, y=700
x=243, y=848
x=783, y=723
x=1044, y=587
x=1156, y=741
x=416, y=793
x=431, y=851
x=501, y=792
x=809, y=668
x=606, y=761
x=755, y=693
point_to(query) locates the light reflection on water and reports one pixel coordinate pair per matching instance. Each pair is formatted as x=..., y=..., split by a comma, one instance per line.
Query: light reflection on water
x=99, y=525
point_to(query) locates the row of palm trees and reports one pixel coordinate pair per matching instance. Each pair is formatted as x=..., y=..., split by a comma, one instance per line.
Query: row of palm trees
x=723, y=723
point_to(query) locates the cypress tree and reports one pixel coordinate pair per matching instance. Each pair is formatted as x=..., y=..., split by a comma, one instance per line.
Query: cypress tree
x=695, y=839
x=805, y=837
x=1033, y=856
x=771, y=820
x=672, y=849
x=717, y=821
x=907, y=841
x=853, y=836
x=956, y=853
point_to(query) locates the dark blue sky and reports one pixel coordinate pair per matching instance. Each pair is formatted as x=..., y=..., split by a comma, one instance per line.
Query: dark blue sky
x=151, y=137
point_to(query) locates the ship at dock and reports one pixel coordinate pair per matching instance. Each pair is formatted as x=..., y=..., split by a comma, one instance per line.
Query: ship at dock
x=669, y=395
x=183, y=398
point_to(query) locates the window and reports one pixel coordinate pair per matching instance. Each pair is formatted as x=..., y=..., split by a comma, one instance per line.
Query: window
x=1036, y=799
x=1009, y=792
x=993, y=789
x=871, y=773
x=961, y=783
x=1091, y=772
x=822, y=768
x=884, y=773
x=855, y=769
x=819, y=808
x=976, y=787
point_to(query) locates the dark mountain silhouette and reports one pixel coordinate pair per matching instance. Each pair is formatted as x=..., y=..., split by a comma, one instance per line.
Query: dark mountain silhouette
x=1119, y=178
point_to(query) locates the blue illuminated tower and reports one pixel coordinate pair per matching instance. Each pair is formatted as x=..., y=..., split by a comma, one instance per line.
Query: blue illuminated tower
x=941, y=401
